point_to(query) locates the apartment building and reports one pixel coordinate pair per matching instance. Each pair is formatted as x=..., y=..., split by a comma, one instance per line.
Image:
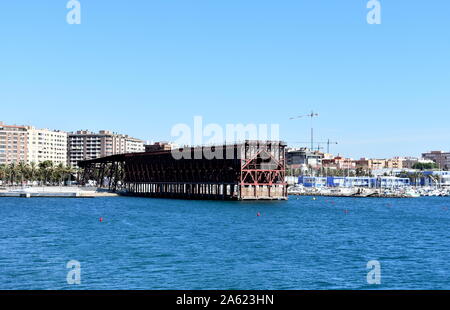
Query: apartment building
x=85, y=145
x=439, y=157
x=339, y=162
x=47, y=145
x=13, y=144
x=303, y=157
x=410, y=162
x=395, y=163
x=377, y=164
x=159, y=146
x=28, y=144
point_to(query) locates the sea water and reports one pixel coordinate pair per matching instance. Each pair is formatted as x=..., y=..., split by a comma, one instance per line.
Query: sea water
x=140, y=243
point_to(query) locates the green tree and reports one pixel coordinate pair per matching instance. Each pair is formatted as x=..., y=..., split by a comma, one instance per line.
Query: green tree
x=46, y=171
x=425, y=166
x=33, y=172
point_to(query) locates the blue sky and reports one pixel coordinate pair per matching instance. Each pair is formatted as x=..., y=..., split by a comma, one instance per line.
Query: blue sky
x=140, y=67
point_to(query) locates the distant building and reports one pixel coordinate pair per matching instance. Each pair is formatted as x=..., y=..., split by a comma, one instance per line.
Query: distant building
x=47, y=145
x=159, y=146
x=377, y=164
x=297, y=158
x=363, y=163
x=27, y=144
x=13, y=144
x=85, y=145
x=395, y=163
x=410, y=162
x=371, y=164
x=442, y=159
x=339, y=162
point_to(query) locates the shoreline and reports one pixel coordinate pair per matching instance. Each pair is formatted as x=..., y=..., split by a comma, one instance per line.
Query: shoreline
x=55, y=192
x=349, y=196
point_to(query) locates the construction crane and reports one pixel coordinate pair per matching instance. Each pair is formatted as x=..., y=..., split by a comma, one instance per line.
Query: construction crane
x=328, y=143
x=311, y=115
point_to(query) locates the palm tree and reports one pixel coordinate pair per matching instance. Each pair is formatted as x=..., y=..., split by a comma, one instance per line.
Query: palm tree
x=58, y=173
x=22, y=171
x=6, y=174
x=414, y=177
x=46, y=170
x=69, y=172
x=3, y=173
x=33, y=171
x=12, y=173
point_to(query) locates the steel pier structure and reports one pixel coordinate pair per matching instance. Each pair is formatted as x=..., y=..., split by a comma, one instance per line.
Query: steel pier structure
x=250, y=170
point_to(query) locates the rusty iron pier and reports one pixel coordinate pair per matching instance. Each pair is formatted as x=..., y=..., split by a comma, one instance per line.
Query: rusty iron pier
x=251, y=170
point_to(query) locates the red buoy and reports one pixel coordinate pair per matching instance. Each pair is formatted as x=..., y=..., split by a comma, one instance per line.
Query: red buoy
x=101, y=219
x=258, y=214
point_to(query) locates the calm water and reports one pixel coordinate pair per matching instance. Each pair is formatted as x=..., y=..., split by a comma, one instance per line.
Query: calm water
x=173, y=244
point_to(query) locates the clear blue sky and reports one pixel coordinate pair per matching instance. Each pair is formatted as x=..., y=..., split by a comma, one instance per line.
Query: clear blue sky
x=139, y=67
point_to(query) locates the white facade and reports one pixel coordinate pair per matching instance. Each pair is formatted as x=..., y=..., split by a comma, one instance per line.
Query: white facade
x=134, y=145
x=445, y=180
x=47, y=145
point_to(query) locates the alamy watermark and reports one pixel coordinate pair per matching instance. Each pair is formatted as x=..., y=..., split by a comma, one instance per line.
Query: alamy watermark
x=374, y=15
x=73, y=17
x=212, y=136
x=74, y=274
x=374, y=274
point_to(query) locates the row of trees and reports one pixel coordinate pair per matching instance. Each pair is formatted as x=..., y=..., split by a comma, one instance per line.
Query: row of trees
x=44, y=173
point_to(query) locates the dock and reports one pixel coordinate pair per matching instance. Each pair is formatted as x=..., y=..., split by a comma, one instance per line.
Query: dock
x=347, y=196
x=54, y=192
x=353, y=192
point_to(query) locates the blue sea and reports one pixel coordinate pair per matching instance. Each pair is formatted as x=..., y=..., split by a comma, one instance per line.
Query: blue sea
x=174, y=244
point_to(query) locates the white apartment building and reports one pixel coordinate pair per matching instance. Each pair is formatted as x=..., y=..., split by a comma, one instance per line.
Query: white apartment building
x=133, y=145
x=45, y=144
x=85, y=145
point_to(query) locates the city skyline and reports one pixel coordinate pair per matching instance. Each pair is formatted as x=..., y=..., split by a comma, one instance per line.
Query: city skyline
x=154, y=145
x=381, y=90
